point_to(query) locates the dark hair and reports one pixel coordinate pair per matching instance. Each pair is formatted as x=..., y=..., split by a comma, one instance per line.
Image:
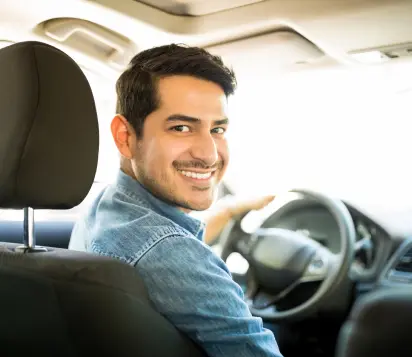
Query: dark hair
x=136, y=88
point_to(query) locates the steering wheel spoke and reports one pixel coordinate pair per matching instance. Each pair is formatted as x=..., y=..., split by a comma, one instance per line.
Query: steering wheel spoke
x=320, y=266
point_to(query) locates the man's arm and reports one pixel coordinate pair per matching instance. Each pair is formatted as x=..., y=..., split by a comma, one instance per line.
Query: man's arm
x=193, y=288
x=216, y=223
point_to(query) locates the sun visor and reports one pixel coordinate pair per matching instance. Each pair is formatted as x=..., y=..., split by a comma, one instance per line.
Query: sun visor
x=269, y=52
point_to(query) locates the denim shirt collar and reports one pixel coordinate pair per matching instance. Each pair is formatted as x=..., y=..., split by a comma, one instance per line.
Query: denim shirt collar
x=142, y=196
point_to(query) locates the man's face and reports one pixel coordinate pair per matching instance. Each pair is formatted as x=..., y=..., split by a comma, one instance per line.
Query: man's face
x=182, y=154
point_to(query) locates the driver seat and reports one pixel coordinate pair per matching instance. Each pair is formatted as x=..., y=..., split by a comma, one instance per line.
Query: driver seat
x=57, y=302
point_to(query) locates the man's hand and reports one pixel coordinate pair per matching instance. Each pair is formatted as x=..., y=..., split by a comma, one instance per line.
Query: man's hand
x=255, y=204
x=216, y=223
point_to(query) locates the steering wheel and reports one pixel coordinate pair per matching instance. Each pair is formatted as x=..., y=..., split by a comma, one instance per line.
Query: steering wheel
x=280, y=260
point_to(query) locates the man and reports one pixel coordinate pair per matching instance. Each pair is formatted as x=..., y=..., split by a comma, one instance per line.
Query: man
x=170, y=132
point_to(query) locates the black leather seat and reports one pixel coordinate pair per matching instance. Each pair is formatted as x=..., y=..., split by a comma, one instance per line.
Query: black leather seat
x=57, y=302
x=380, y=325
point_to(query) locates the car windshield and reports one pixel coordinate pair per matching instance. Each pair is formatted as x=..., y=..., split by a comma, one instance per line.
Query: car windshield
x=343, y=131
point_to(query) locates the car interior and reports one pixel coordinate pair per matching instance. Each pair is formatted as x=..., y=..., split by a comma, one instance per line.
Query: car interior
x=320, y=118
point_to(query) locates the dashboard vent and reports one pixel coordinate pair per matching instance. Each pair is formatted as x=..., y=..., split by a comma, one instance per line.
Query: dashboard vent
x=404, y=264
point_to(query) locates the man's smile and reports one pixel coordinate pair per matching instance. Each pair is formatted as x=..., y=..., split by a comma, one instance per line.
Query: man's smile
x=197, y=176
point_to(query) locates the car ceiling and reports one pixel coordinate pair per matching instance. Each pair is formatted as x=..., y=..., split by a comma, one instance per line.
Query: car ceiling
x=335, y=27
x=197, y=7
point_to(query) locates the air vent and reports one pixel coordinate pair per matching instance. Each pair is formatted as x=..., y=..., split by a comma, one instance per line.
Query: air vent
x=399, y=269
x=404, y=264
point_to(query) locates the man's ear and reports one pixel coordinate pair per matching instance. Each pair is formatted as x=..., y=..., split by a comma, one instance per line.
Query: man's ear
x=123, y=135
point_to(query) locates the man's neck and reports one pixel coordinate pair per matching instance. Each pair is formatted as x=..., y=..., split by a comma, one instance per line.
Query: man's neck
x=126, y=167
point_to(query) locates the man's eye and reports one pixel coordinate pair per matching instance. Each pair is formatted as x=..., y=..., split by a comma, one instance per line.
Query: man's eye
x=181, y=128
x=218, y=130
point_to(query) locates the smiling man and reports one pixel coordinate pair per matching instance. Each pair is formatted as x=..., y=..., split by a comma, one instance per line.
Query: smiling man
x=170, y=131
x=182, y=152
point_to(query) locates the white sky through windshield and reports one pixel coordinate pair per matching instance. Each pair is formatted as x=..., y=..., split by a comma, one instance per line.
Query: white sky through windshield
x=340, y=131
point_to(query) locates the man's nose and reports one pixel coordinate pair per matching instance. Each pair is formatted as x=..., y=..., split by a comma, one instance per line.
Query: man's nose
x=204, y=149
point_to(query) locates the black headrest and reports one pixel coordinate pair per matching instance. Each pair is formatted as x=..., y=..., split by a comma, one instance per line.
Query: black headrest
x=49, y=137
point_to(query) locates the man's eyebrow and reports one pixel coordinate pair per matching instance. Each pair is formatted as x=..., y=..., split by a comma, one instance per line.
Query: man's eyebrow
x=221, y=122
x=185, y=118
x=181, y=117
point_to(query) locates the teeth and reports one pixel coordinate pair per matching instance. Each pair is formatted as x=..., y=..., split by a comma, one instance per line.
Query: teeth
x=196, y=174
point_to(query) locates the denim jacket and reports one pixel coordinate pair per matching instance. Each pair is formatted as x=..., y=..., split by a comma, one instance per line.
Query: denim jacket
x=185, y=280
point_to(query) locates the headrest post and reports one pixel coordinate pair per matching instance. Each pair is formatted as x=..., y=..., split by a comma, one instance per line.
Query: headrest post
x=29, y=239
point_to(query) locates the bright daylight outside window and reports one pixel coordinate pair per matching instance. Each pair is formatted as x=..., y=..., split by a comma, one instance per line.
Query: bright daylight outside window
x=343, y=131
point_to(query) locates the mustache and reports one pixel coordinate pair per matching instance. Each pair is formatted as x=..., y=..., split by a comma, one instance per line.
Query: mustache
x=182, y=165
